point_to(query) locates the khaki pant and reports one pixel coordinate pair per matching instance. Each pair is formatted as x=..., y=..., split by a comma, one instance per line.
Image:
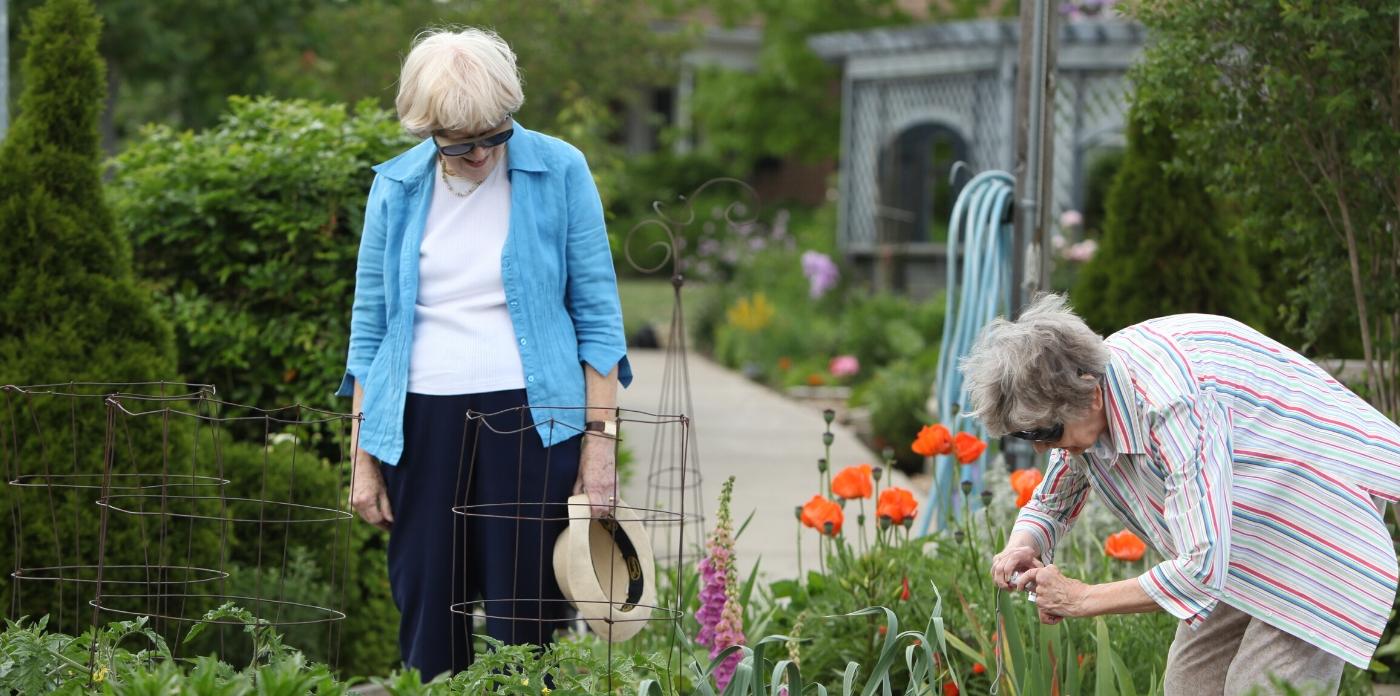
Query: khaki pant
x=1234, y=654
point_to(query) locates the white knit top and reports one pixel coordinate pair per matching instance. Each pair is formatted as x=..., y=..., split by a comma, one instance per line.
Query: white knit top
x=463, y=339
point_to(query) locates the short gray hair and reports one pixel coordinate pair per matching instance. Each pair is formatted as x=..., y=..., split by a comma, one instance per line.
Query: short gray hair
x=458, y=81
x=1026, y=373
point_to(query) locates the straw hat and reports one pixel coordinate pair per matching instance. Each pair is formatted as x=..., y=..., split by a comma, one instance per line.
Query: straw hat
x=589, y=555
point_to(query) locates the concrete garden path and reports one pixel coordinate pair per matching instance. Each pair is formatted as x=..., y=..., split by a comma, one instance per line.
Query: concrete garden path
x=770, y=443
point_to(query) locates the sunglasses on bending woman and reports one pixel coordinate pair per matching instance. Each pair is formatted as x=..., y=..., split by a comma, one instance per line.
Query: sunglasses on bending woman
x=486, y=143
x=1051, y=433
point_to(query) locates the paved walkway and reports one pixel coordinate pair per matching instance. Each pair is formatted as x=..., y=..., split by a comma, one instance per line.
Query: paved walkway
x=770, y=443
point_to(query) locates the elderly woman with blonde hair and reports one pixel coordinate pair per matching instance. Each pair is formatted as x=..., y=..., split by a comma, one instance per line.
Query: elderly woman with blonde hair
x=484, y=283
x=1256, y=476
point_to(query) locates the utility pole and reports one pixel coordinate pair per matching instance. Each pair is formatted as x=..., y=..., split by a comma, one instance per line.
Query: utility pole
x=1035, y=158
x=1035, y=148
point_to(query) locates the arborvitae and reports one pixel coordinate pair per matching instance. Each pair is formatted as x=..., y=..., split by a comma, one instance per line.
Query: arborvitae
x=70, y=310
x=1164, y=249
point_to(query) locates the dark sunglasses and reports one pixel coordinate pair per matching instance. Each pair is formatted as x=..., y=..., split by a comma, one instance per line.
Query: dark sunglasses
x=490, y=141
x=1048, y=434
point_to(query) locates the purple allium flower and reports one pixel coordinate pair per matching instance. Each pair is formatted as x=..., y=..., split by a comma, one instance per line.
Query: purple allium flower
x=822, y=273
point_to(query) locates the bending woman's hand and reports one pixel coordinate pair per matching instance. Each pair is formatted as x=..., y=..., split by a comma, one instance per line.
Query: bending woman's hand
x=597, y=474
x=368, y=495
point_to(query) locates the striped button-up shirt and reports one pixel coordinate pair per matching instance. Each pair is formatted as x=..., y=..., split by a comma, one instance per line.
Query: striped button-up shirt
x=1259, y=478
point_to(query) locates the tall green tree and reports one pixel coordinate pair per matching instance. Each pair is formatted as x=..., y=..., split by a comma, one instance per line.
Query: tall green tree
x=69, y=311
x=1164, y=249
x=1292, y=112
x=176, y=61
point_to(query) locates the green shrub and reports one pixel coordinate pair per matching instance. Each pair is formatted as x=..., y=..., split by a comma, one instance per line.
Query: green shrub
x=897, y=396
x=71, y=312
x=1164, y=249
x=249, y=231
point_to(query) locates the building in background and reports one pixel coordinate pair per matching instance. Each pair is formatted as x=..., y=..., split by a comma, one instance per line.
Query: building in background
x=917, y=100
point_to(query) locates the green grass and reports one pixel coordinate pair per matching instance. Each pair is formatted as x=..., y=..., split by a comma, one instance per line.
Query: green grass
x=648, y=300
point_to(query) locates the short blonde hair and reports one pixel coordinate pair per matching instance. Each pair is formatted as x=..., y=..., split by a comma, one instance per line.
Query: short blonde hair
x=458, y=81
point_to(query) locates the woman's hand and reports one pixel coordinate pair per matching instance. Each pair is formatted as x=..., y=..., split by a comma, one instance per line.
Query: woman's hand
x=597, y=474
x=367, y=493
x=1056, y=596
x=1015, y=558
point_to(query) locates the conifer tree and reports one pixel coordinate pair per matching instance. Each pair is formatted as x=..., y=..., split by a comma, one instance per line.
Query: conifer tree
x=70, y=310
x=1164, y=248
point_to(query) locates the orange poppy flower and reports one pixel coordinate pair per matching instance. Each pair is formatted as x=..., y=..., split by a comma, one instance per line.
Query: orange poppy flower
x=823, y=515
x=933, y=440
x=1024, y=481
x=1124, y=546
x=950, y=689
x=897, y=504
x=979, y=668
x=853, y=482
x=968, y=447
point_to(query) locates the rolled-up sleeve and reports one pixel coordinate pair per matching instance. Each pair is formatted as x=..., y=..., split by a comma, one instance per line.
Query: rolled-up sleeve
x=1056, y=503
x=367, y=315
x=591, y=290
x=1191, y=438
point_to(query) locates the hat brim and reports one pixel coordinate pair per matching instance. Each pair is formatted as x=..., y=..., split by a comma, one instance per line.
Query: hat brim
x=609, y=579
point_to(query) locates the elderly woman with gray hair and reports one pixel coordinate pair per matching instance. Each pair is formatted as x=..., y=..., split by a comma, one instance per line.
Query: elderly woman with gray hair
x=1257, y=477
x=484, y=283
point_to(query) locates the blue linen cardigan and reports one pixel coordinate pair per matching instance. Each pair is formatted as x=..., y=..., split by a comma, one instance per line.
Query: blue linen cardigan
x=561, y=289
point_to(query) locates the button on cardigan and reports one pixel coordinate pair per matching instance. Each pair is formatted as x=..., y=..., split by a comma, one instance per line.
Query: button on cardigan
x=561, y=289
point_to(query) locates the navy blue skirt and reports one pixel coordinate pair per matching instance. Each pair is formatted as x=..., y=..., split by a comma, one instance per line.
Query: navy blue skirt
x=499, y=556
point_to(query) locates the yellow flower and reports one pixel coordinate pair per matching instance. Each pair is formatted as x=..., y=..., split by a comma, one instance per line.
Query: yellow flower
x=525, y=681
x=100, y=675
x=544, y=690
x=751, y=315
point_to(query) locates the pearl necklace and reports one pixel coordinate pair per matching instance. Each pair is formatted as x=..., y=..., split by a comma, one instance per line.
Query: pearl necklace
x=448, y=183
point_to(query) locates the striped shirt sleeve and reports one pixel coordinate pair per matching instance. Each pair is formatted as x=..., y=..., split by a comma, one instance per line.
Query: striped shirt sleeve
x=1057, y=501
x=1190, y=437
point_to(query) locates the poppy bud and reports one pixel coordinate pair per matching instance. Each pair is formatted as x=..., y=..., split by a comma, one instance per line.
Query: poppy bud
x=958, y=536
x=827, y=438
x=888, y=453
x=797, y=512
x=908, y=522
x=829, y=415
x=827, y=527
x=876, y=471
x=860, y=520
x=966, y=487
x=821, y=466
x=986, y=498
x=884, y=521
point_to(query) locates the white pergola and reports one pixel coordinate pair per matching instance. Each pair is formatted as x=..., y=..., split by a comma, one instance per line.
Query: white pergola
x=917, y=99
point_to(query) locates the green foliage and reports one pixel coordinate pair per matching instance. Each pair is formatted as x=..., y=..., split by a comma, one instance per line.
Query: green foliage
x=177, y=62
x=581, y=61
x=313, y=554
x=1102, y=170
x=897, y=396
x=248, y=232
x=1288, y=110
x=785, y=107
x=75, y=312
x=1164, y=249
